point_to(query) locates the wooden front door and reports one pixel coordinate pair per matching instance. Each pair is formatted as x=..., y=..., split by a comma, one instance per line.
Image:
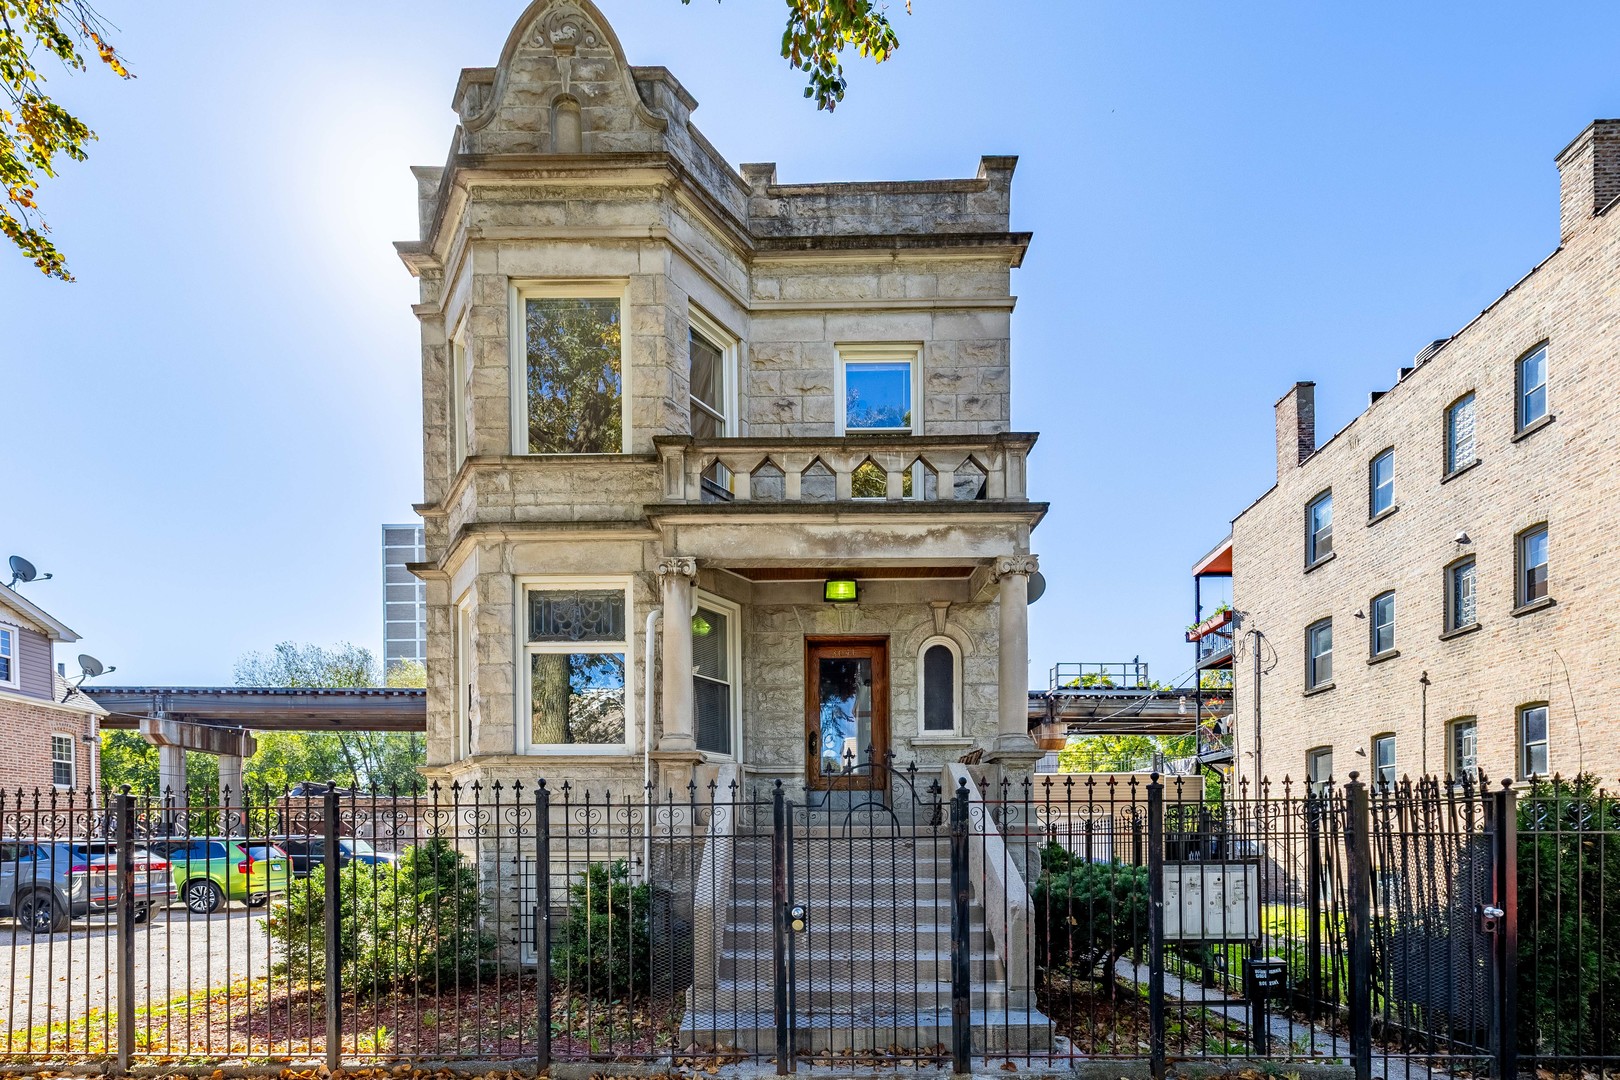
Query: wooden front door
x=846, y=711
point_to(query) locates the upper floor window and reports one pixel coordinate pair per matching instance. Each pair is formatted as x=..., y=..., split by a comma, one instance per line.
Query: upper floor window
x=711, y=379
x=712, y=679
x=1532, y=741
x=8, y=656
x=877, y=390
x=460, y=401
x=1383, y=623
x=1461, y=607
x=941, y=687
x=1381, y=483
x=1461, y=450
x=1532, y=387
x=576, y=674
x=63, y=755
x=1532, y=559
x=1383, y=749
x=571, y=368
x=1319, y=528
x=1319, y=654
x=1464, y=749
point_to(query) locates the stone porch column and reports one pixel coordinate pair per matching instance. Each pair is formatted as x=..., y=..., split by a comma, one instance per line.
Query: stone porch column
x=1013, y=743
x=677, y=576
x=230, y=780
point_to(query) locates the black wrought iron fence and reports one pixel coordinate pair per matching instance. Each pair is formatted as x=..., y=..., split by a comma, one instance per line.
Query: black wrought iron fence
x=894, y=917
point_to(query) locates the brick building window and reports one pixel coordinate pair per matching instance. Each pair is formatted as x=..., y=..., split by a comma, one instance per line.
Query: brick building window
x=1461, y=605
x=1381, y=483
x=1532, y=383
x=1383, y=755
x=1532, y=559
x=1532, y=741
x=1463, y=749
x=1319, y=654
x=1383, y=623
x=8, y=656
x=1319, y=528
x=1319, y=768
x=1461, y=449
x=62, y=761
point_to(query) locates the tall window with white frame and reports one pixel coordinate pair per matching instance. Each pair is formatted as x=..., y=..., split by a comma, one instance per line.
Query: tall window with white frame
x=63, y=761
x=576, y=679
x=460, y=401
x=1319, y=769
x=711, y=680
x=1464, y=749
x=1461, y=603
x=1532, y=383
x=709, y=385
x=940, y=698
x=1383, y=623
x=1319, y=528
x=1319, y=655
x=1381, y=483
x=1383, y=752
x=8, y=656
x=878, y=395
x=571, y=369
x=1461, y=449
x=1532, y=741
x=1532, y=560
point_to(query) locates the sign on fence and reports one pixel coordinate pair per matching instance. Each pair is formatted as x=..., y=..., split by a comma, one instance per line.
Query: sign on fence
x=1211, y=902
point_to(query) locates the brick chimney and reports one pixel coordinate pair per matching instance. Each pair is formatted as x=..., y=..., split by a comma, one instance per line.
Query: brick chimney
x=1296, y=427
x=1589, y=176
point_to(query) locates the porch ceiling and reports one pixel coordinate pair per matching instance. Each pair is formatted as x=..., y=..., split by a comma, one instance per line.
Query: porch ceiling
x=870, y=573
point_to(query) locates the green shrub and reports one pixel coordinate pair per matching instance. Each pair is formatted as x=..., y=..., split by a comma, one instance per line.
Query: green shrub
x=414, y=924
x=604, y=949
x=1087, y=914
x=1569, y=937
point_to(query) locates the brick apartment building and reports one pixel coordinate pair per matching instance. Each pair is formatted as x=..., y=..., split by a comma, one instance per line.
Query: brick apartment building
x=1436, y=586
x=48, y=733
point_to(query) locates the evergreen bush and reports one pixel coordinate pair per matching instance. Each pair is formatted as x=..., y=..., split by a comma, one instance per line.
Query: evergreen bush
x=604, y=949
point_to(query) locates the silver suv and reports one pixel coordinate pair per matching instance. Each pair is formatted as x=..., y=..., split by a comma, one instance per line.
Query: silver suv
x=46, y=883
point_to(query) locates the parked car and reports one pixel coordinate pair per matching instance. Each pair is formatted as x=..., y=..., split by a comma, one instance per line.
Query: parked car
x=307, y=853
x=45, y=884
x=211, y=871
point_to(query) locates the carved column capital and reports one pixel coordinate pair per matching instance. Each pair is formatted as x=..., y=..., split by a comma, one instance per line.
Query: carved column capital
x=1015, y=566
x=679, y=566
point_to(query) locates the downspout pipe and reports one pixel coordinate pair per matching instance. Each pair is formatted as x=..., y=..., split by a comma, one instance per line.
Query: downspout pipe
x=646, y=737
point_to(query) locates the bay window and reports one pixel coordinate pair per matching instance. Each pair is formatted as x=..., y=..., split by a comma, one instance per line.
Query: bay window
x=576, y=665
x=569, y=360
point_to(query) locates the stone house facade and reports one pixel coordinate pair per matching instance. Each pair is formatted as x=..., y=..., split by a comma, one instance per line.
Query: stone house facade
x=1435, y=585
x=670, y=407
x=49, y=732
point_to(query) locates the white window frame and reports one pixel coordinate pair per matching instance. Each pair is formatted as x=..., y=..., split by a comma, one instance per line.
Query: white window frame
x=15, y=636
x=1313, y=552
x=72, y=762
x=521, y=720
x=1524, y=744
x=1454, y=764
x=520, y=293
x=729, y=344
x=733, y=614
x=460, y=385
x=1453, y=464
x=1373, y=485
x=882, y=352
x=461, y=739
x=1453, y=571
x=1522, y=422
x=1315, y=784
x=955, y=733
x=1377, y=766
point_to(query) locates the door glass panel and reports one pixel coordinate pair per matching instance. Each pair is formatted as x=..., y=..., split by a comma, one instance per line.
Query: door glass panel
x=844, y=697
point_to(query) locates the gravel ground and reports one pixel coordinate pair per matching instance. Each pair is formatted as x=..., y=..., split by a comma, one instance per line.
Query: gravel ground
x=62, y=976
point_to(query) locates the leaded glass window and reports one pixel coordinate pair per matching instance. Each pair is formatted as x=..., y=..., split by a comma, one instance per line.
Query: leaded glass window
x=1460, y=446
x=1461, y=609
x=576, y=615
x=572, y=365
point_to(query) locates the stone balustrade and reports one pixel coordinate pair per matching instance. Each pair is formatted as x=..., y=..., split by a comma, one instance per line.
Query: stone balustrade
x=925, y=468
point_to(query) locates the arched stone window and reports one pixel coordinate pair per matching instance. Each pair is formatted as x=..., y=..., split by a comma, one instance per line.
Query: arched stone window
x=939, y=692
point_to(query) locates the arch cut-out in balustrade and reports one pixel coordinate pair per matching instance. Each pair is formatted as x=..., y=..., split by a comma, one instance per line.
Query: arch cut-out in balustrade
x=818, y=483
x=768, y=483
x=869, y=481
x=971, y=480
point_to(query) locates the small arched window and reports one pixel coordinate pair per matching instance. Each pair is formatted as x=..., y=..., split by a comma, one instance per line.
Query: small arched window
x=941, y=697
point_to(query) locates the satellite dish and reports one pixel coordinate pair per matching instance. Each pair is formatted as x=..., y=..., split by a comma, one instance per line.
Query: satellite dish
x=22, y=570
x=91, y=666
x=1037, y=586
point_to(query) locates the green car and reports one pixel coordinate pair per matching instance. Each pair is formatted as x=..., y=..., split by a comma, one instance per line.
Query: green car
x=210, y=871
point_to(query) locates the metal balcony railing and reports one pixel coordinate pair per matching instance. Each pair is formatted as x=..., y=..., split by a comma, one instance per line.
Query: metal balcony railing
x=1215, y=645
x=1128, y=675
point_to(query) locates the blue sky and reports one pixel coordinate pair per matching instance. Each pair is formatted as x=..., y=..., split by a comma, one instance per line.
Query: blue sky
x=206, y=431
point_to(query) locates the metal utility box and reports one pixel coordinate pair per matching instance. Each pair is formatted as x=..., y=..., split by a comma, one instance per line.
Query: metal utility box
x=1211, y=901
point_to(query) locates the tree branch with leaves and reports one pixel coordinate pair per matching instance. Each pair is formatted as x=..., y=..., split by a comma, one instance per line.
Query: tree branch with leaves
x=34, y=129
x=818, y=32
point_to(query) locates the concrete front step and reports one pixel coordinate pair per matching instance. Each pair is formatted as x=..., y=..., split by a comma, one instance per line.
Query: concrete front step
x=758, y=938
x=825, y=997
x=995, y=1031
x=923, y=964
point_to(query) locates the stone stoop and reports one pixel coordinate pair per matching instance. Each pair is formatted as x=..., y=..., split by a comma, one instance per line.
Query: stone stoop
x=872, y=969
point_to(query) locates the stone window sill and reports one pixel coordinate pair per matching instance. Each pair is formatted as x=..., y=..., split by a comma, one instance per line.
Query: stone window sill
x=1324, y=688
x=1381, y=515
x=1323, y=561
x=1379, y=658
x=1541, y=604
x=940, y=740
x=1533, y=427
x=1461, y=631
x=1459, y=470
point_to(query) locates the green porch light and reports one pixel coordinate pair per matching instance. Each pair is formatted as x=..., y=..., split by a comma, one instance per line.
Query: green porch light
x=841, y=591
